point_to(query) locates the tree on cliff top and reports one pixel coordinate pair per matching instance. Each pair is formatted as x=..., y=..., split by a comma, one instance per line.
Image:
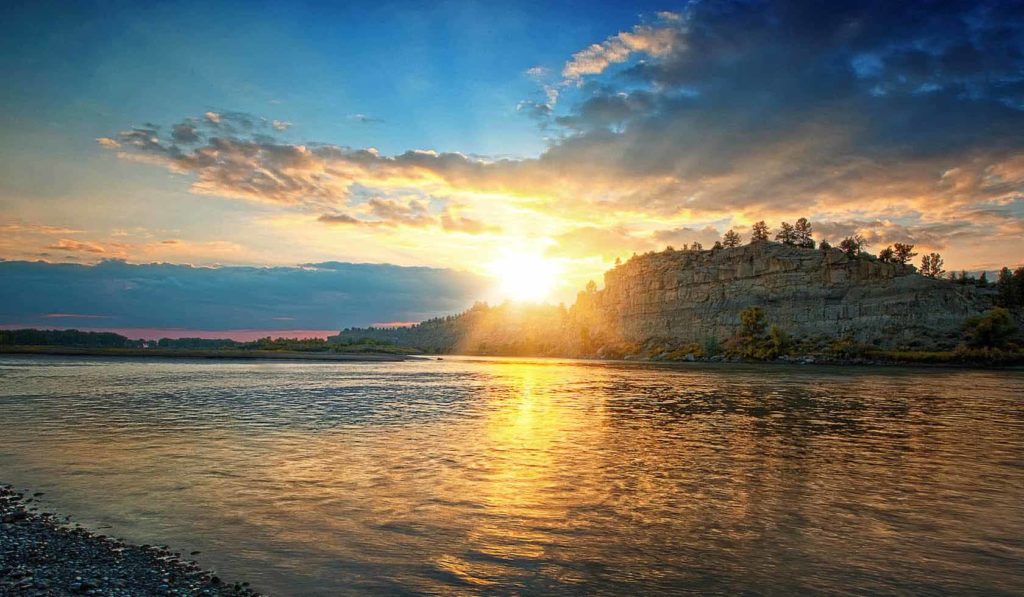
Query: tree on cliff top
x=759, y=232
x=1010, y=287
x=931, y=265
x=731, y=239
x=853, y=245
x=904, y=253
x=802, y=234
x=786, y=235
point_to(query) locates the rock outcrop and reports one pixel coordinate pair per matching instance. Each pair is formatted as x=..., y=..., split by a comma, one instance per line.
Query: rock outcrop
x=695, y=295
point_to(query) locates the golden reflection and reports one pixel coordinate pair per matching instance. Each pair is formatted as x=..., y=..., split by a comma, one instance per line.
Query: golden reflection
x=534, y=437
x=538, y=470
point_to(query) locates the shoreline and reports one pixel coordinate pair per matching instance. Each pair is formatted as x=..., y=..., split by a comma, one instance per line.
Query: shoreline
x=186, y=353
x=922, y=360
x=43, y=554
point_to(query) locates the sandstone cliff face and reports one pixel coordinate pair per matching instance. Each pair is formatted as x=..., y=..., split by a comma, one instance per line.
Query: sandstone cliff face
x=694, y=295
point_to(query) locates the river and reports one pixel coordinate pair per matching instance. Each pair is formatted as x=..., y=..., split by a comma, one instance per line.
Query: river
x=490, y=476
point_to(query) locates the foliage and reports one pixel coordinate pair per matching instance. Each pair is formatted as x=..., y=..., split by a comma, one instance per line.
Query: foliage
x=731, y=239
x=780, y=340
x=904, y=252
x=900, y=253
x=752, y=322
x=962, y=355
x=802, y=232
x=752, y=342
x=931, y=265
x=853, y=245
x=1010, y=288
x=993, y=329
x=33, y=337
x=847, y=348
x=759, y=232
x=786, y=234
x=197, y=343
x=711, y=347
x=107, y=340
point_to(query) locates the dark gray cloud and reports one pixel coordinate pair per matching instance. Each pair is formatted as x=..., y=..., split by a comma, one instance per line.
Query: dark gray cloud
x=854, y=95
x=185, y=132
x=315, y=296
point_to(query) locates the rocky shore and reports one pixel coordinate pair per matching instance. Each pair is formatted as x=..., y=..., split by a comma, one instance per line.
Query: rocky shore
x=41, y=554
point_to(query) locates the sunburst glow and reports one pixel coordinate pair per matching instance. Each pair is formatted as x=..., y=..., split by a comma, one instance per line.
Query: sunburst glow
x=527, y=277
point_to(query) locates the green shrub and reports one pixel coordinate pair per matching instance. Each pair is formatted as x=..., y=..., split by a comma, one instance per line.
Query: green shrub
x=993, y=329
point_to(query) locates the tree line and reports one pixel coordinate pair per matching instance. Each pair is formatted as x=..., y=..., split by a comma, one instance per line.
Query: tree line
x=80, y=339
x=932, y=265
x=33, y=337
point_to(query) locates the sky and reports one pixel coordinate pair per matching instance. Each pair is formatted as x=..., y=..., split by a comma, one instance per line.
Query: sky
x=199, y=146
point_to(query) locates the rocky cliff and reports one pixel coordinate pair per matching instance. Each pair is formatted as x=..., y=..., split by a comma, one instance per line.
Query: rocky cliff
x=695, y=295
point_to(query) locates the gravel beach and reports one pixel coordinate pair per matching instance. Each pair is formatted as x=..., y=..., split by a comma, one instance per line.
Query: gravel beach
x=41, y=554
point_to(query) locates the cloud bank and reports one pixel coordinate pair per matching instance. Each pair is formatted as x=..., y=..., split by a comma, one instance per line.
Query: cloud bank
x=116, y=294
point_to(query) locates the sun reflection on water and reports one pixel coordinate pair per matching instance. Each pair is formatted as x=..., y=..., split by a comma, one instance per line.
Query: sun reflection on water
x=477, y=476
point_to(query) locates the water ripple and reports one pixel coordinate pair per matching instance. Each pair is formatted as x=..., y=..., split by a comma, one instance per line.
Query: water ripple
x=478, y=477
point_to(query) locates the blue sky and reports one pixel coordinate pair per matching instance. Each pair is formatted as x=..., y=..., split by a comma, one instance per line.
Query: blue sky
x=460, y=135
x=445, y=76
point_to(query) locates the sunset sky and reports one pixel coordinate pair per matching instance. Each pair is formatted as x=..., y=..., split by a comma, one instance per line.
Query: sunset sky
x=455, y=136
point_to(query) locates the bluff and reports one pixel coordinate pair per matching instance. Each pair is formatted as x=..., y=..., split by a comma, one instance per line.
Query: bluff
x=810, y=293
x=675, y=298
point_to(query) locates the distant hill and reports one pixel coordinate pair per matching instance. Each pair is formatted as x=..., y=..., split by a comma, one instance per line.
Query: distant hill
x=509, y=329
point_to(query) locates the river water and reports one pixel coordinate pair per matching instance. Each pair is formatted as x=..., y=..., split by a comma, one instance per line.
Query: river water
x=472, y=476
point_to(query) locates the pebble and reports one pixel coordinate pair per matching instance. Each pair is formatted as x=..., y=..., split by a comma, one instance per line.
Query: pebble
x=39, y=555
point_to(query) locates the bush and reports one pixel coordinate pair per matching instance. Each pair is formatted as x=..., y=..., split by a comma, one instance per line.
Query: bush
x=712, y=347
x=993, y=329
x=780, y=340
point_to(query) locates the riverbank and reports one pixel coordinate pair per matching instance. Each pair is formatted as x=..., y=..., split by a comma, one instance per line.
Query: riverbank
x=187, y=353
x=875, y=358
x=41, y=554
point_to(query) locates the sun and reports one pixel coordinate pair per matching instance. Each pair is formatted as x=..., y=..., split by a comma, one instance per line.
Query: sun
x=526, y=277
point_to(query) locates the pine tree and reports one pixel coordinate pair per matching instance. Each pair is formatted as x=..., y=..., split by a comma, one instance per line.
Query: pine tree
x=853, y=245
x=786, y=235
x=759, y=232
x=802, y=232
x=1018, y=286
x=731, y=239
x=931, y=265
x=904, y=253
x=1004, y=288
